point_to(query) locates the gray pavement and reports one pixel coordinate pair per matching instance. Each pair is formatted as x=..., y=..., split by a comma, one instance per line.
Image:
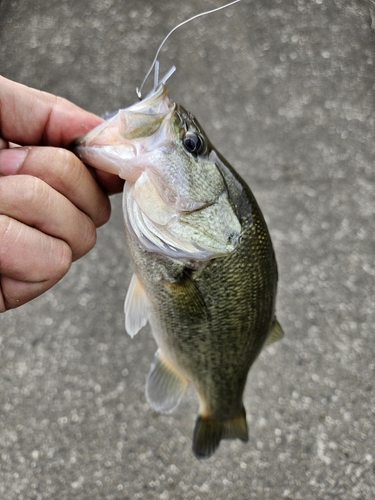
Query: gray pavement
x=286, y=90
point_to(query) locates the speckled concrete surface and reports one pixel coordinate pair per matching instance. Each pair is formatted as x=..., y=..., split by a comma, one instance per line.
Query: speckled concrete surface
x=286, y=89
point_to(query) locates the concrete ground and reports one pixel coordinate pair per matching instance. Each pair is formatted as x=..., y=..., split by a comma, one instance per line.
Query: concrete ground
x=286, y=90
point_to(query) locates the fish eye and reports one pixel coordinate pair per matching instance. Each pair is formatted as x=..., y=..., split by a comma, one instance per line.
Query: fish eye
x=193, y=143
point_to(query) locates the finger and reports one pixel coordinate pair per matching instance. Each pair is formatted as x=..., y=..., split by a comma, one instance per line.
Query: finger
x=64, y=172
x=34, y=203
x=32, y=117
x=31, y=262
x=15, y=293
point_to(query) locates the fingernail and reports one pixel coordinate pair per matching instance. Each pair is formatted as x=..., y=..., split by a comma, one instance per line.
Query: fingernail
x=11, y=160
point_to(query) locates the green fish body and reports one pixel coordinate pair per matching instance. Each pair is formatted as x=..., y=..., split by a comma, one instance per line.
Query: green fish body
x=205, y=274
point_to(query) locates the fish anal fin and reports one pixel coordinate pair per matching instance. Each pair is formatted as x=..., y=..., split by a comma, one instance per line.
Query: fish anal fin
x=209, y=432
x=165, y=385
x=136, y=307
x=276, y=333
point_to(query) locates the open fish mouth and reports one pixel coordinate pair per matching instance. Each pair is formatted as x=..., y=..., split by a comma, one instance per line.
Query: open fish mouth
x=116, y=145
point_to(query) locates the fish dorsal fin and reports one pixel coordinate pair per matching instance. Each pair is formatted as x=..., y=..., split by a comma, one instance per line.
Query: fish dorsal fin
x=208, y=433
x=136, y=307
x=165, y=385
x=275, y=334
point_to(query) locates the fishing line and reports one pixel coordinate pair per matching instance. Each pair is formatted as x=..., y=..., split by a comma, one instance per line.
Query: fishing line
x=155, y=61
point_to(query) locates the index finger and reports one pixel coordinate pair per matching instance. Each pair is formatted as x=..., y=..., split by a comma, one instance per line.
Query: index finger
x=31, y=117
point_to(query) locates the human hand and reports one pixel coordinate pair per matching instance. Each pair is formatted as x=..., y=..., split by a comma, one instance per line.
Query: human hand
x=50, y=203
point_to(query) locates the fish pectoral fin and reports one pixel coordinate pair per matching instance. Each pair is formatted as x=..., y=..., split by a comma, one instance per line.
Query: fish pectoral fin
x=165, y=385
x=136, y=307
x=276, y=333
x=209, y=432
x=187, y=297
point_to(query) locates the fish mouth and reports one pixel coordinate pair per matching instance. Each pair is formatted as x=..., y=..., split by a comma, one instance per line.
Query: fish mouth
x=116, y=145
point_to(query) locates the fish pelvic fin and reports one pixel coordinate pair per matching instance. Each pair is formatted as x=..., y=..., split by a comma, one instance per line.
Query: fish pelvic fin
x=209, y=432
x=136, y=307
x=276, y=333
x=165, y=385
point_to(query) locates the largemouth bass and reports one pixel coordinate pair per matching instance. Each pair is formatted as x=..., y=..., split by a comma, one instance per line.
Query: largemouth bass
x=205, y=273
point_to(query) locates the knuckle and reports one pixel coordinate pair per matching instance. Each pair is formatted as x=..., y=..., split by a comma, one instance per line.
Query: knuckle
x=104, y=213
x=68, y=165
x=87, y=238
x=5, y=224
x=64, y=158
x=63, y=260
x=3, y=307
x=29, y=189
x=38, y=189
x=90, y=235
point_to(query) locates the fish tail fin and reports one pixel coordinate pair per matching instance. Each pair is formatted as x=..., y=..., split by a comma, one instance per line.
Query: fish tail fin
x=208, y=433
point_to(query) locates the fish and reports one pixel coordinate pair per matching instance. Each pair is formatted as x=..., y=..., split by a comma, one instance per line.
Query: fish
x=205, y=273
